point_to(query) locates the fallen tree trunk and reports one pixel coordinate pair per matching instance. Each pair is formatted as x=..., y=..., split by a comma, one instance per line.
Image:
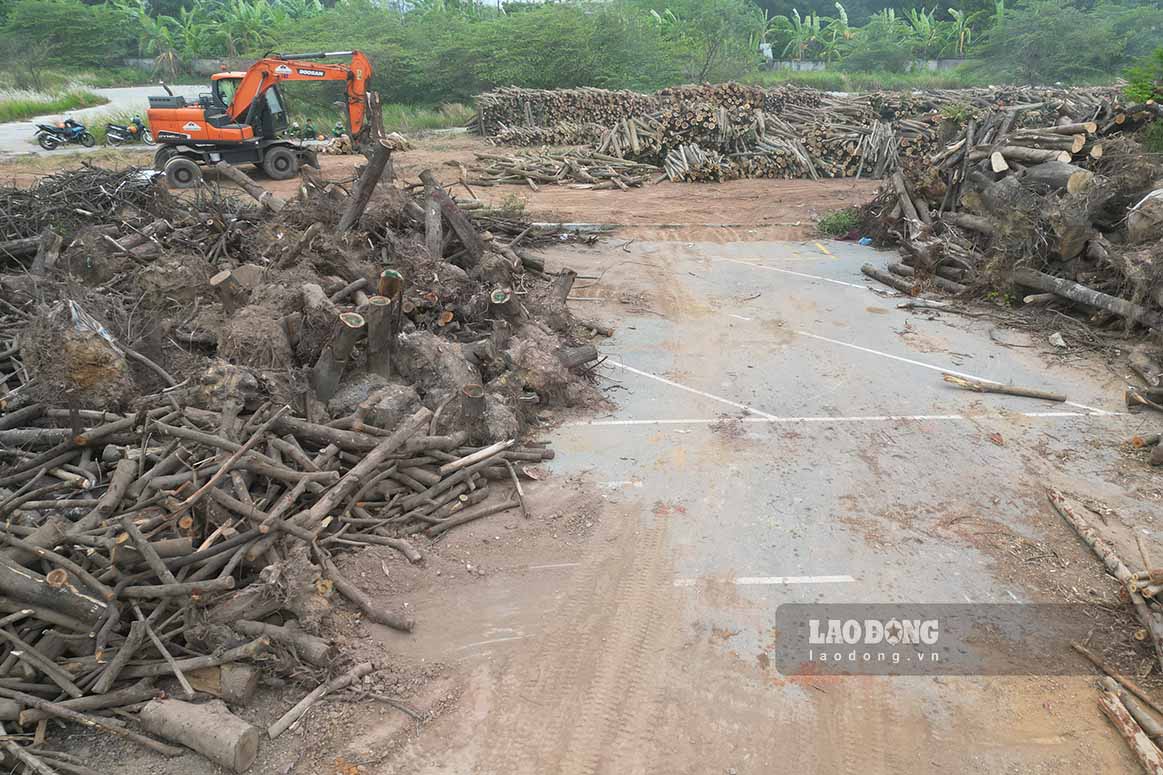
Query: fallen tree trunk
x=22, y=584
x=210, y=729
x=903, y=286
x=260, y=194
x=1147, y=753
x=1114, y=565
x=1057, y=176
x=230, y=291
x=1083, y=295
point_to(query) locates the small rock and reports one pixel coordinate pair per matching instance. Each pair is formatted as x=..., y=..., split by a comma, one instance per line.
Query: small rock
x=1057, y=340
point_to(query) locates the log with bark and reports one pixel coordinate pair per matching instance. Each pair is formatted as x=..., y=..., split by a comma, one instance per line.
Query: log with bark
x=209, y=728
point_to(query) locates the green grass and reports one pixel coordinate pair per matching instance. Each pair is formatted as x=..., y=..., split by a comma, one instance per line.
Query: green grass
x=54, y=80
x=411, y=118
x=405, y=119
x=838, y=222
x=16, y=104
x=97, y=127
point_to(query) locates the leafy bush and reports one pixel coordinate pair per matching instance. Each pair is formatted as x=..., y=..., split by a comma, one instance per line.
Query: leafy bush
x=881, y=45
x=715, y=39
x=1145, y=79
x=427, y=58
x=64, y=32
x=838, y=222
x=1046, y=41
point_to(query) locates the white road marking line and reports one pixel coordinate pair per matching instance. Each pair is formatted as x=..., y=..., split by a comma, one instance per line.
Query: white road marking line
x=697, y=392
x=789, y=271
x=1069, y=414
x=765, y=581
x=737, y=317
x=930, y=366
x=555, y=565
x=1093, y=409
x=827, y=420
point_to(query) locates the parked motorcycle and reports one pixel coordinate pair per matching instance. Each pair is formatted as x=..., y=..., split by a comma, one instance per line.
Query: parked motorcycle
x=134, y=132
x=52, y=136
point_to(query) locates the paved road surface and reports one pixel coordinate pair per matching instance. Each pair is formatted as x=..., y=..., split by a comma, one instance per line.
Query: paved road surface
x=17, y=136
x=782, y=435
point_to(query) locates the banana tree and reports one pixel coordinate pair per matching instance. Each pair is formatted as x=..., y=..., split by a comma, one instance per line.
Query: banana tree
x=192, y=32
x=245, y=25
x=157, y=39
x=959, y=31
x=805, y=34
x=924, y=31
x=837, y=34
x=300, y=9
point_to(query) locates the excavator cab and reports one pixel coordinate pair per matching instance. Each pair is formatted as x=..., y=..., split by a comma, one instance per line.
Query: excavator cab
x=268, y=119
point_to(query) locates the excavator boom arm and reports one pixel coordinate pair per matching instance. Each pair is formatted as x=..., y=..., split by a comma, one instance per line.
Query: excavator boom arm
x=277, y=68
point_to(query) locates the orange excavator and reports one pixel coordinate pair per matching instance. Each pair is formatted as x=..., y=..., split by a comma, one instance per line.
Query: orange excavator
x=241, y=120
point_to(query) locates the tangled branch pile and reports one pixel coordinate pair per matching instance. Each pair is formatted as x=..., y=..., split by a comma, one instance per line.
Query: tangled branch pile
x=783, y=131
x=1065, y=204
x=205, y=402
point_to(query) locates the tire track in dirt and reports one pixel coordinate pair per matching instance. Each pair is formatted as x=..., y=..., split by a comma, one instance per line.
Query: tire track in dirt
x=622, y=682
x=557, y=709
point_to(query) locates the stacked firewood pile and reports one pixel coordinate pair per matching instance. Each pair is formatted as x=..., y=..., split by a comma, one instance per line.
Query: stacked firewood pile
x=783, y=131
x=561, y=133
x=206, y=402
x=500, y=109
x=580, y=169
x=1064, y=208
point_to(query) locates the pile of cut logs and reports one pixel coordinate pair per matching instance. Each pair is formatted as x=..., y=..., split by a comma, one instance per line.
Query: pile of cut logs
x=580, y=169
x=561, y=133
x=782, y=131
x=1048, y=203
x=501, y=109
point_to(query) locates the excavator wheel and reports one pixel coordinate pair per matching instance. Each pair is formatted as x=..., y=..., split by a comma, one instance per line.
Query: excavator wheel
x=182, y=173
x=163, y=155
x=280, y=163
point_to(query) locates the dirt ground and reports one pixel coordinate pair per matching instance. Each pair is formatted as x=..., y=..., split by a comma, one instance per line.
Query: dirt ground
x=572, y=642
x=733, y=211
